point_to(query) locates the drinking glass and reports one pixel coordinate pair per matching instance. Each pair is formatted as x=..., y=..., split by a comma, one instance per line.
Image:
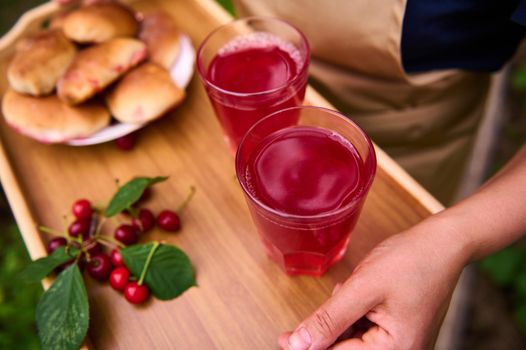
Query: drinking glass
x=299, y=240
x=250, y=68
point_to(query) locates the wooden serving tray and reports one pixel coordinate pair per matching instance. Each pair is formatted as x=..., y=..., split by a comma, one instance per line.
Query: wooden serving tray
x=243, y=300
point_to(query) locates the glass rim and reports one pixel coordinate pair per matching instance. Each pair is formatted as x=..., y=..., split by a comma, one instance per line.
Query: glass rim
x=202, y=72
x=326, y=214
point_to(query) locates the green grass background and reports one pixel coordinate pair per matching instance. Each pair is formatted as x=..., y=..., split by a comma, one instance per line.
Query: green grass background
x=18, y=299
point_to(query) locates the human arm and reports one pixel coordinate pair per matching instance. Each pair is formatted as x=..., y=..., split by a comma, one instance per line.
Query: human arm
x=404, y=283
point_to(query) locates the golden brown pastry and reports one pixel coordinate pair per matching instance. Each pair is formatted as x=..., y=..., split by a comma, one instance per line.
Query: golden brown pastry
x=144, y=94
x=100, y=22
x=39, y=61
x=162, y=38
x=49, y=120
x=98, y=66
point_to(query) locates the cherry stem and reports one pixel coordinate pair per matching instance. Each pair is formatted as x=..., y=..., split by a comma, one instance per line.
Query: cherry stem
x=115, y=220
x=98, y=208
x=53, y=232
x=106, y=244
x=132, y=211
x=77, y=259
x=65, y=223
x=105, y=240
x=187, y=200
x=148, y=261
x=110, y=240
x=98, y=229
x=87, y=245
x=139, y=222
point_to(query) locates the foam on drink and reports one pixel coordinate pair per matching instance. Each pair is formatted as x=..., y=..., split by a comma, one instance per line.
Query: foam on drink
x=260, y=40
x=305, y=171
x=261, y=65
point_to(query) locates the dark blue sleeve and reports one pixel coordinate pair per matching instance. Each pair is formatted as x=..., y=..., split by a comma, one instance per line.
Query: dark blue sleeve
x=477, y=35
x=519, y=15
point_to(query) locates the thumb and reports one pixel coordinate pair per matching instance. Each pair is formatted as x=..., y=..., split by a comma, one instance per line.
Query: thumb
x=352, y=301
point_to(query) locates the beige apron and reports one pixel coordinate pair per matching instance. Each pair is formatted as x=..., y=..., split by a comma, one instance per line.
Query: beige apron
x=426, y=122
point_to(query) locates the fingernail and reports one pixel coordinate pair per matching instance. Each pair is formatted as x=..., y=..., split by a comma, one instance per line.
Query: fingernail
x=300, y=339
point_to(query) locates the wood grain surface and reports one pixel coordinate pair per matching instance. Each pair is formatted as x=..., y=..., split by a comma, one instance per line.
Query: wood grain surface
x=243, y=300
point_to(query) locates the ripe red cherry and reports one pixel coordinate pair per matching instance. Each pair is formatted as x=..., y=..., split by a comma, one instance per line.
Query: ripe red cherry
x=116, y=258
x=119, y=278
x=169, y=221
x=127, y=234
x=125, y=143
x=82, y=209
x=135, y=293
x=56, y=243
x=147, y=220
x=99, y=267
x=80, y=227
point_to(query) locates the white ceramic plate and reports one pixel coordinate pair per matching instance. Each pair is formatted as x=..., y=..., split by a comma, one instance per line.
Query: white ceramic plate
x=181, y=72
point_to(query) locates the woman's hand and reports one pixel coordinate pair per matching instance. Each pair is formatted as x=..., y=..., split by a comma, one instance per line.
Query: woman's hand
x=403, y=286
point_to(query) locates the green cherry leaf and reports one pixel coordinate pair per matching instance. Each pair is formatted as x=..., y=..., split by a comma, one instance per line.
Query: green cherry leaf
x=170, y=272
x=42, y=267
x=63, y=313
x=130, y=193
